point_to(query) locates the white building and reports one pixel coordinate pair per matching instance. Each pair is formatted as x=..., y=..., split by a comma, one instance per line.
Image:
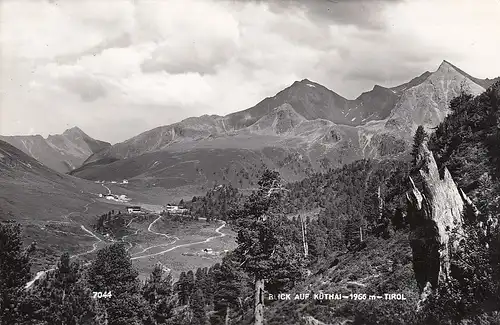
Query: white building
x=134, y=209
x=175, y=209
x=171, y=208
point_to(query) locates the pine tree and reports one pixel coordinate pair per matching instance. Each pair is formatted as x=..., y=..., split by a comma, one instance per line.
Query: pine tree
x=228, y=289
x=197, y=307
x=199, y=279
x=14, y=272
x=158, y=292
x=182, y=289
x=190, y=283
x=264, y=249
x=418, y=139
x=63, y=297
x=112, y=272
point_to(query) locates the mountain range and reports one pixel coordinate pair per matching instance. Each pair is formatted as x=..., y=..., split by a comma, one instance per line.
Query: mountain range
x=303, y=129
x=61, y=152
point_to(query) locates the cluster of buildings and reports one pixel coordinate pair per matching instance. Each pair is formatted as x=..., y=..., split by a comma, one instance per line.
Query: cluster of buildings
x=125, y=181
x=175, y=209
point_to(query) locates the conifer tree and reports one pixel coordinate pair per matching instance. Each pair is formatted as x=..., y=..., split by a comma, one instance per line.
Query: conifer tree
x=14, y=272
x=190, y=283
x=181, y=288
x=228, y=289
x=199, y=279
x=263, y=247
x=63, y=296
x=158, y=292
x=418, y=139
x=197, y=306
x=112, y=272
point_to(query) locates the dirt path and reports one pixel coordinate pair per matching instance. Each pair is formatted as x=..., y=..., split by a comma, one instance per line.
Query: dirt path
x=160, y=234
x=218, y=231
x=94, y=245
x=109, y=191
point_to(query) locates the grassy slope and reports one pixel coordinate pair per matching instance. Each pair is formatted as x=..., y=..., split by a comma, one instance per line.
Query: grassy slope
x=199, y=167
x=384, y=266
x=50, y=206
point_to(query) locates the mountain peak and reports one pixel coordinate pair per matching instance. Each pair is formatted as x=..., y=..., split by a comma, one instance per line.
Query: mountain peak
x=306, y=82
x=379, y=88
x=446, y=66
x=74, y=131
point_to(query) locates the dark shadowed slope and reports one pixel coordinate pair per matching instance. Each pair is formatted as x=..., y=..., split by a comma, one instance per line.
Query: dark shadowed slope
x=52, y=207
x=32, y=192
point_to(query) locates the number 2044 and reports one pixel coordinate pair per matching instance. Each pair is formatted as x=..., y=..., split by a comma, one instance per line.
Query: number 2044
x=99, y=294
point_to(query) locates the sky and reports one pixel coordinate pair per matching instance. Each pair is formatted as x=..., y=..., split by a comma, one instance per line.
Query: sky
x=116, y=68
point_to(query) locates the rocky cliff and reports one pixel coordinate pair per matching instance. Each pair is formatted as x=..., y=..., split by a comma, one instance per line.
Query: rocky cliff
x=434, y=213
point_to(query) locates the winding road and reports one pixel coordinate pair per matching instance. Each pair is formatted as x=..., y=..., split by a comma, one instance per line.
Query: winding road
x=109, y=191
x=218, y=230
x=94, y=245
x=171, y=240
x=160, y=234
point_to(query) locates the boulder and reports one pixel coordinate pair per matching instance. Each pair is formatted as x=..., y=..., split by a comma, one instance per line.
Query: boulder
x=434, y=214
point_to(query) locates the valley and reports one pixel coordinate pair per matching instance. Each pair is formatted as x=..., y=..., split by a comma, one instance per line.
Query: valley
x=146, y=245
x=286, y=195
x=58, y=212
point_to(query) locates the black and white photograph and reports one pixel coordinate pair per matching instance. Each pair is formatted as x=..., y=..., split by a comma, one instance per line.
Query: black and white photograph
x=249, y=162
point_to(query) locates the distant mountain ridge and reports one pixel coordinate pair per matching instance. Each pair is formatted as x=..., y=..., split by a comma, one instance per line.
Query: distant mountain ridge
x=304, y=120
x=61, y=152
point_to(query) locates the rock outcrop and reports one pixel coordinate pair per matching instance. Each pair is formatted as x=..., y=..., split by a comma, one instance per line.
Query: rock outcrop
x=434, y=214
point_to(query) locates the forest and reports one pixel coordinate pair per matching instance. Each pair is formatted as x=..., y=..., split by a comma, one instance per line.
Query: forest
x=361, y=210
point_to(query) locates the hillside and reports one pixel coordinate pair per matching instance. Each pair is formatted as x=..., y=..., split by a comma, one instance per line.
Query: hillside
x=49, y=205
x=466, y=143
x=303, y=129
x=61, y=152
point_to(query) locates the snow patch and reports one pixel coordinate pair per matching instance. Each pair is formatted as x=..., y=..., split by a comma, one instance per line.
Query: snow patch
x=309, y=85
